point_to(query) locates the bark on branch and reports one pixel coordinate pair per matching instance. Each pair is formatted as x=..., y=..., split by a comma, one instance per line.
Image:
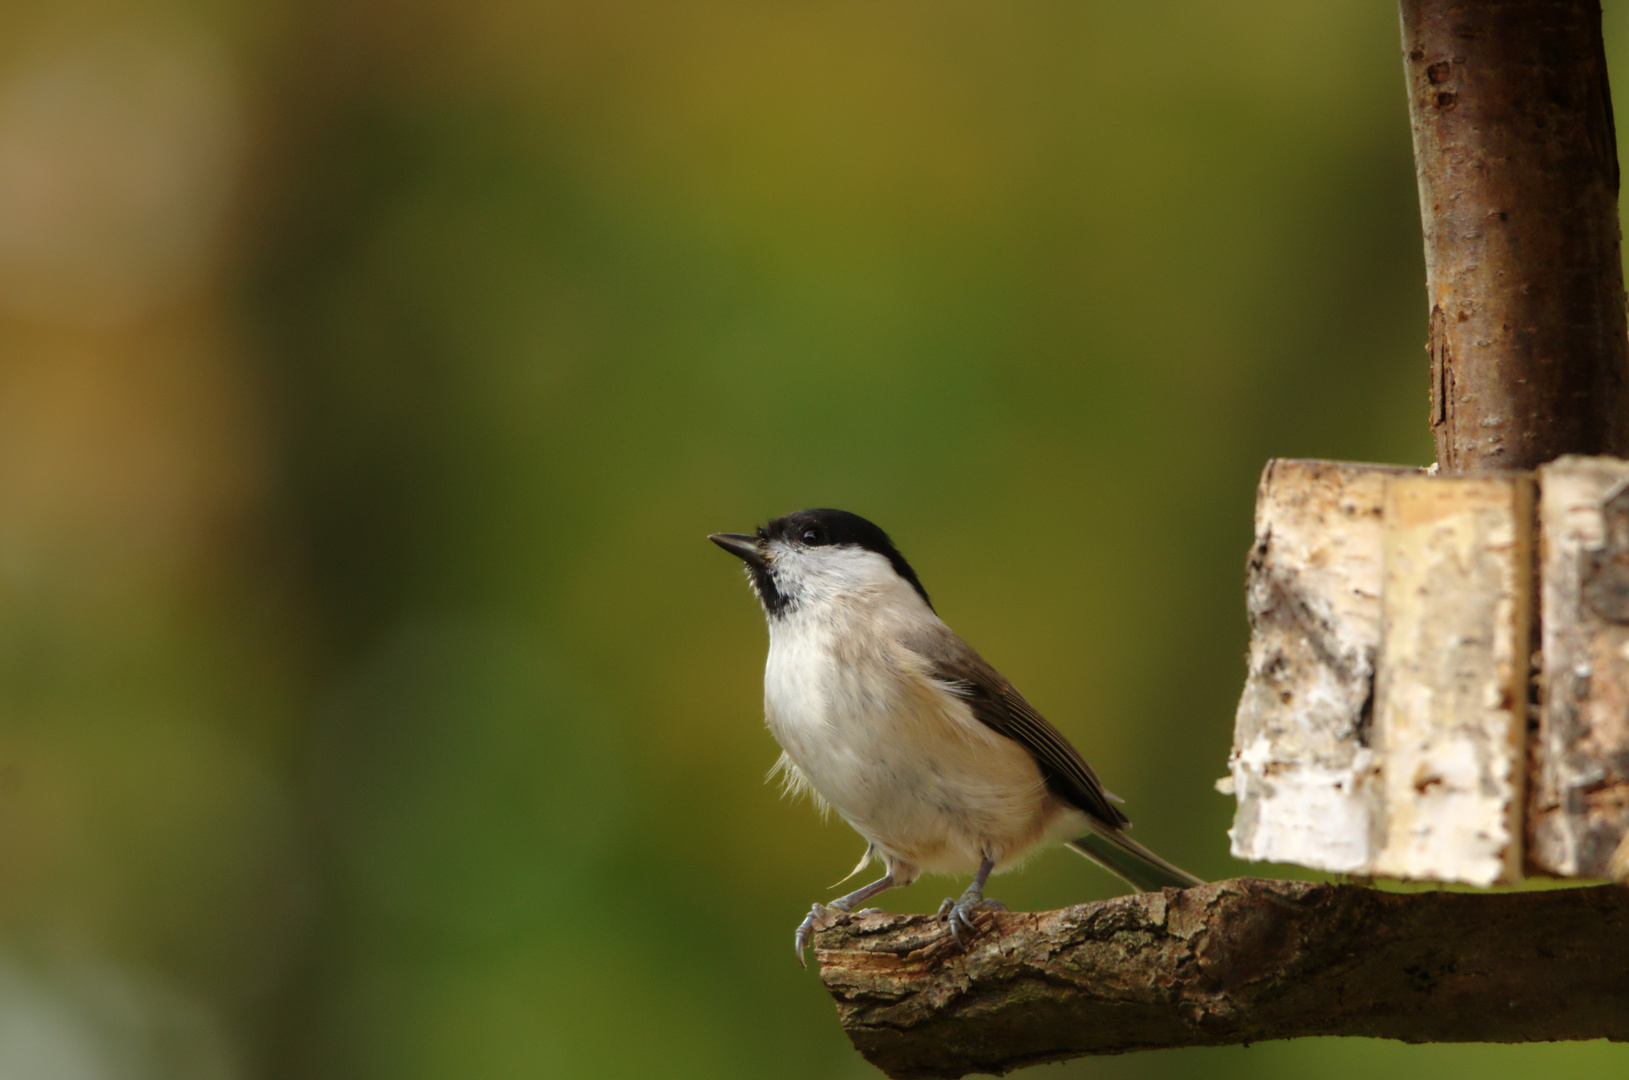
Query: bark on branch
x=1236, y=961
x=1517, y=162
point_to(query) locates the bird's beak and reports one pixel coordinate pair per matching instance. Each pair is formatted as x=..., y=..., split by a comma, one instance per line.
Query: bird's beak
x=743, y=547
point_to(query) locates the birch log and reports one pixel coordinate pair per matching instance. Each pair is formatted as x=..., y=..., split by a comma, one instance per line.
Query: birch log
x=1382, y=728
x=1580, y=800
x=1451, y=687
x=1301, y=767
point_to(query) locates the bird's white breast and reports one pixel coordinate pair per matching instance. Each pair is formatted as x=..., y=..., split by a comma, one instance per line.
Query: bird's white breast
x=896, y=754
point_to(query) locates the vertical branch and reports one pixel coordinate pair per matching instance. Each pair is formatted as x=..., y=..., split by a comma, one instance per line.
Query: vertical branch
x=1517, y=164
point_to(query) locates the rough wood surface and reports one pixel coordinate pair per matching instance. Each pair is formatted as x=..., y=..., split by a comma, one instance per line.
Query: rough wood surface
x=1231, y=962
x=1301, y=766
x=1451, y=681
x=1516, y=158
x=1579, y=805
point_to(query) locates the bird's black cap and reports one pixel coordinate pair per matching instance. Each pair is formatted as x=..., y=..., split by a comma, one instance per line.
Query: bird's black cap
x=822, y=527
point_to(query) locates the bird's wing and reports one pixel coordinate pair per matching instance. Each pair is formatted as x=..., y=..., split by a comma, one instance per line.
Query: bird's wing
x=999, y=706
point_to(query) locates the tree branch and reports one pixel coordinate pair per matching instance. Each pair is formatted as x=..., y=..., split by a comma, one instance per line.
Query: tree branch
x=1235, y=961
x=1517, y=162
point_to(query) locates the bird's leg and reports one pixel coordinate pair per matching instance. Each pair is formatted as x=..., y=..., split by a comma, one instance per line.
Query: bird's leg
x=822, y=915
x=959, y=913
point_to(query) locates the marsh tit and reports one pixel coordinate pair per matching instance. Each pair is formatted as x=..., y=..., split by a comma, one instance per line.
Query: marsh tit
x=888, y=717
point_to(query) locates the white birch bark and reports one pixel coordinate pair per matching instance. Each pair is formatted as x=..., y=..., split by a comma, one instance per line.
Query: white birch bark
x=1302, y=768
x=1579, y=808
x=1451, y=687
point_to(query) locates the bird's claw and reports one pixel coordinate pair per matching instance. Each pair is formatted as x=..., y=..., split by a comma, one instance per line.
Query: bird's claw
x=820, y=917
x=962, y=914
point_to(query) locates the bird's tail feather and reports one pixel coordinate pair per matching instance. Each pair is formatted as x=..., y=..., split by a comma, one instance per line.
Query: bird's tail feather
x=1123, y=857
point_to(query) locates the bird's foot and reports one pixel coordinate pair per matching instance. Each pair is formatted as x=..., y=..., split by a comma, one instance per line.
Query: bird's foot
x=962, y=915
x=820, y=917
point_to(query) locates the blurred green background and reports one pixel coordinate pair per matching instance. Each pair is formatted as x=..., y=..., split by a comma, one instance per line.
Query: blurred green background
x=371, y=372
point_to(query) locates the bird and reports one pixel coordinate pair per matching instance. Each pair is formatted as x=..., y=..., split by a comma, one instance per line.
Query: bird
x=886, y=716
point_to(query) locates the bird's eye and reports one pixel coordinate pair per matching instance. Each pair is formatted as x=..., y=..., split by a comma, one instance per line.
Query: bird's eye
x=814, y=534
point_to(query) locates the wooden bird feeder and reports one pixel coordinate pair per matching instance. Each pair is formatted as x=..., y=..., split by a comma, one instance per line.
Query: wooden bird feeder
x=1438, y=677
